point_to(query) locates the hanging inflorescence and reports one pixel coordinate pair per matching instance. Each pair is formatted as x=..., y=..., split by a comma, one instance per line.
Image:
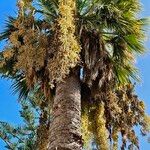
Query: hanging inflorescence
x=53, y=49
x=67, y=55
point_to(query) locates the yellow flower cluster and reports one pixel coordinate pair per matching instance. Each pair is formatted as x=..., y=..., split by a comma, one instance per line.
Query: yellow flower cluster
x=30, y=45
x=86, y=134
x=8, y=54
x=115, y=139
x=147, y=123
x=102, y=133
x=67, y=55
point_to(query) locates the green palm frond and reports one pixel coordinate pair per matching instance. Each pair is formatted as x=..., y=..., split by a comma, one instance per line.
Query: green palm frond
x=119, y=27
x=49, y=9
x=9, y=28
x=20, y=87
x=81, y=4
x=124, y=73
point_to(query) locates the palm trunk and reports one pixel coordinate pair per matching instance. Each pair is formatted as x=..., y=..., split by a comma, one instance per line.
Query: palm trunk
x=65, y=127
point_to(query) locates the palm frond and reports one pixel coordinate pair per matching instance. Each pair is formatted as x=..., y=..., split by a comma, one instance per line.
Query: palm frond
x=20, y=87
x=9, y=28
x=49, y=9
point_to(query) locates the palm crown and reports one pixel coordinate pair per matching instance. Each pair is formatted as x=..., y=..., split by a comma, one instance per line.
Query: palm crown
x=99, y=39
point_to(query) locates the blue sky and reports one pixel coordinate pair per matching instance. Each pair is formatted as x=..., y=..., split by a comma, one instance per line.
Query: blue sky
x=9, y=108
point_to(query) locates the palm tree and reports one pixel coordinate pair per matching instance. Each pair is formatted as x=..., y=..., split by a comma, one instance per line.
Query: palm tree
x=81, y=53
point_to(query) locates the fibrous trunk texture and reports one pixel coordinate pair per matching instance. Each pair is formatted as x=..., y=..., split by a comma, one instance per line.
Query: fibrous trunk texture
x=65, y=127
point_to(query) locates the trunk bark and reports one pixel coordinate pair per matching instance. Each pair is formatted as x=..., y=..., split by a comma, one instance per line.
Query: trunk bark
x=65, y=127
